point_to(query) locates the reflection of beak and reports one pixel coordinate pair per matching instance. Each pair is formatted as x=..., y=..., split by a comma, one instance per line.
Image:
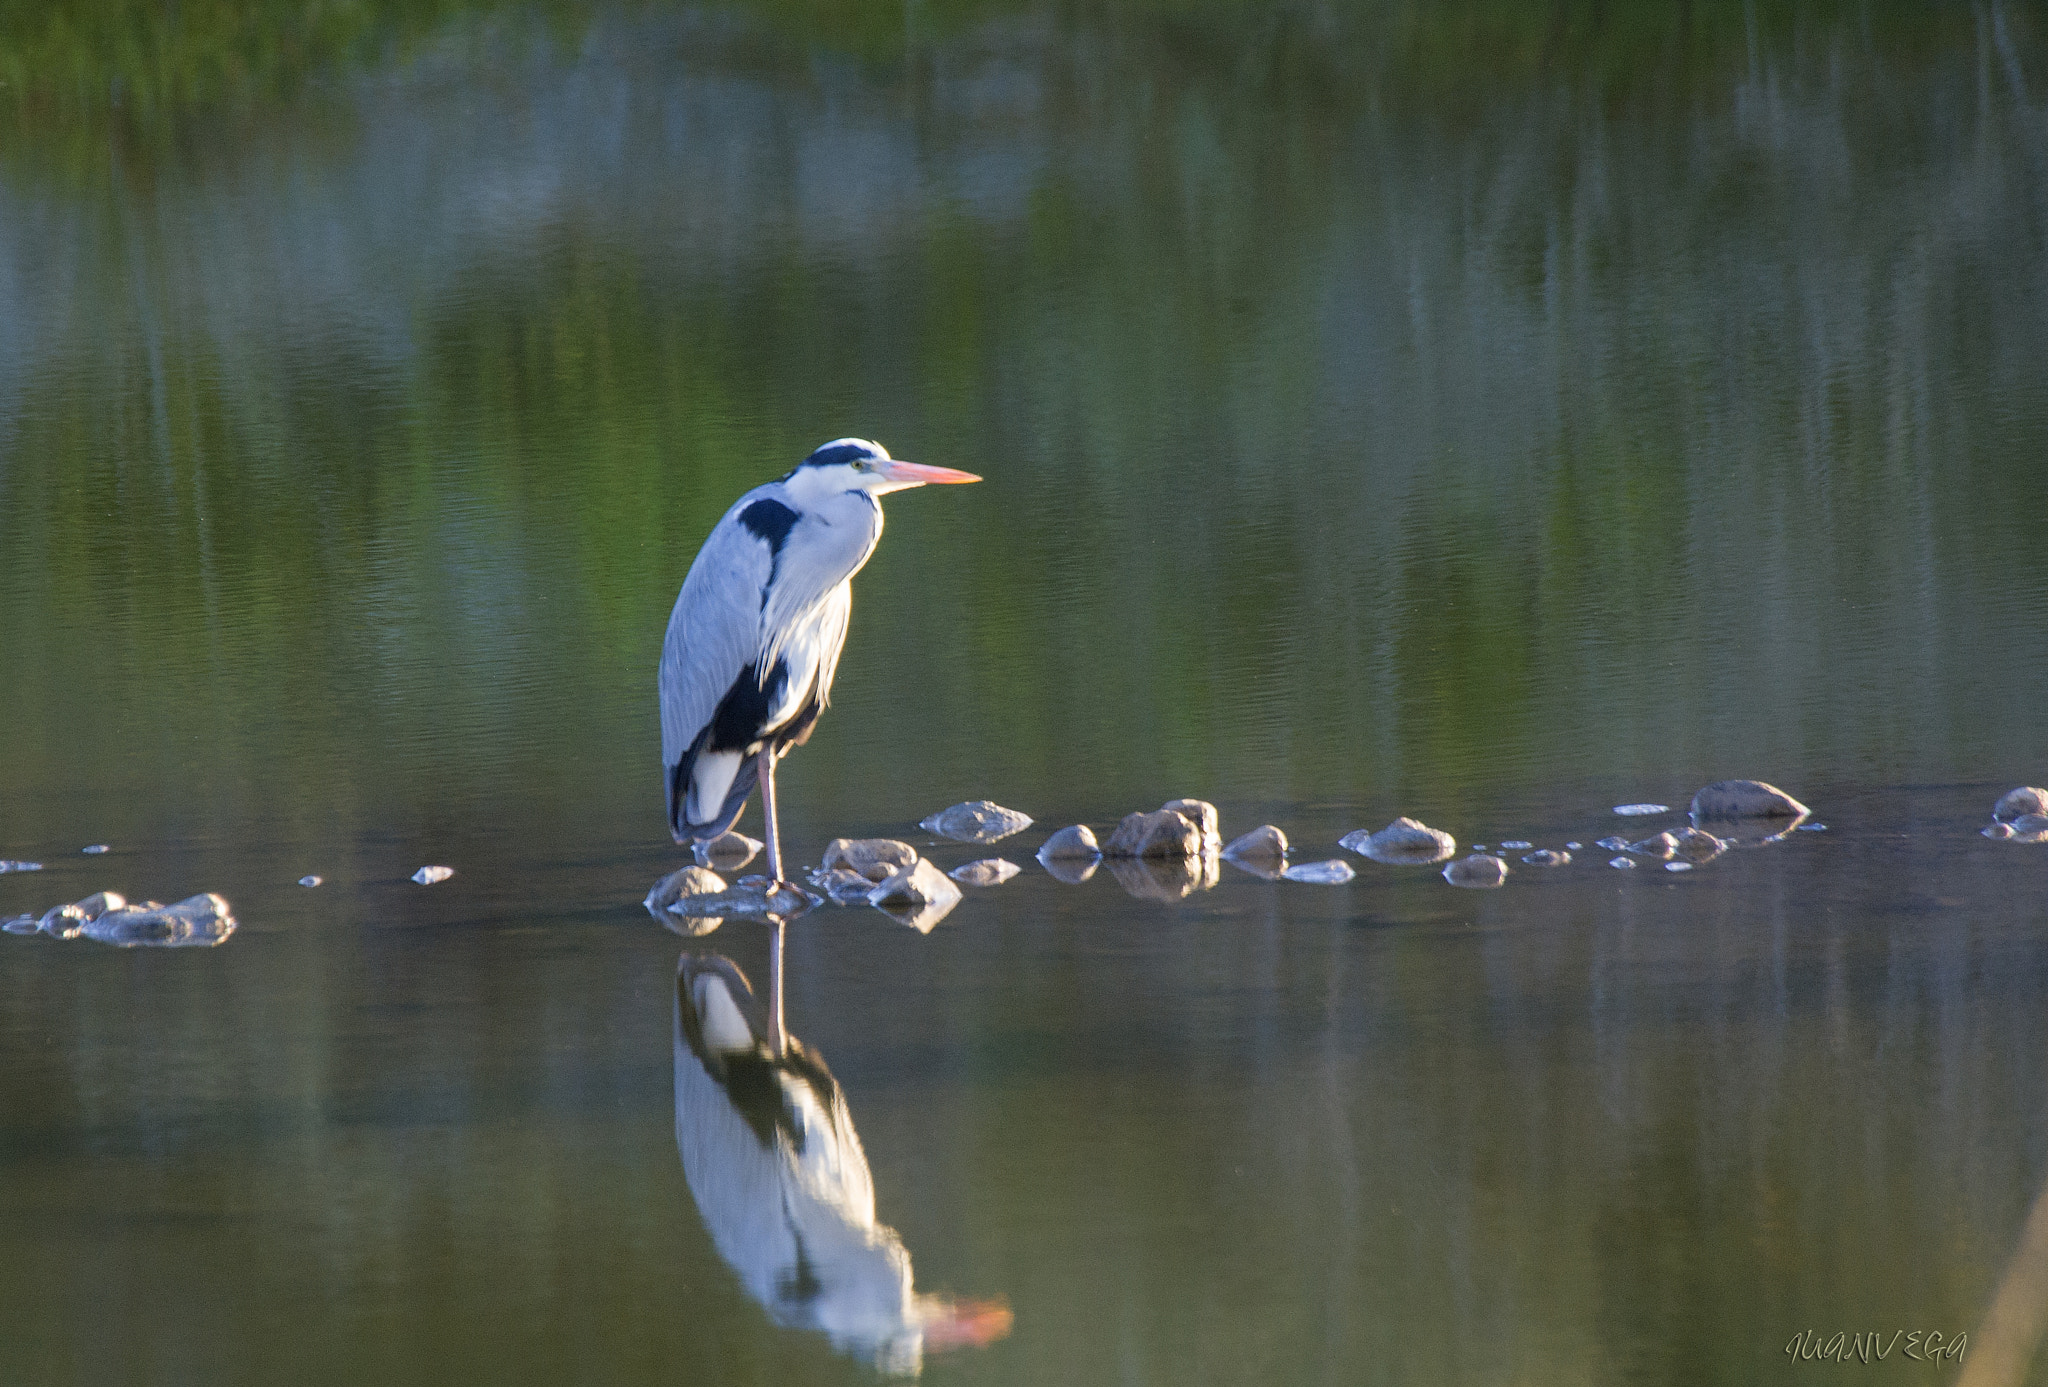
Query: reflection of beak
x=917, y=474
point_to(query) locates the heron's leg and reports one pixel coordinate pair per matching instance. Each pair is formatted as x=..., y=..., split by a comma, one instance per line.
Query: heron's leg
x=778, y=1038
x=767, y=778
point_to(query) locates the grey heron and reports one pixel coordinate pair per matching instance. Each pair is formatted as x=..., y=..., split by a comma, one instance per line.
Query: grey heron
x=756, y=633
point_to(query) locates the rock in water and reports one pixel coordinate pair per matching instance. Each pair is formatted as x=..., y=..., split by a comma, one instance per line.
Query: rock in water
x=1544, y=857
x=1998, y=830
x=1203, y=816
x=976, y=821
x=1744, y=799
x=1164, y=878
x=1332, y=872
x=20, y=866
x=1612, y=844
x=1072, y=844
x=1696, y=846
x=427, y=876
x=200, y=921
x=750, y=896
x=69, y=921
x=689, y=881
x=1262, y=852
x=1163, y=833
x=94, y=849
x=1479, y=871
x=1626, y=864
x=1637, y=810
x=989, y=871
x=310, y=880
x=728, y=852
x=1404, y=842
x=1662, y=846
x=842, y=885
x=19, y=924
x=2015, y=803
x=877, y=859
x=2030, y=828
x=918, y=896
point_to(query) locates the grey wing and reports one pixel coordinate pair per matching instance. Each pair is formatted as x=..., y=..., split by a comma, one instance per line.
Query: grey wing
x=714, y=632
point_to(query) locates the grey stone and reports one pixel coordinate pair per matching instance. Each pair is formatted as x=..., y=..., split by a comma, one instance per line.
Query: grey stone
x=1744, y=799
x=2030, y=828
x=842, y=885
x=1626, y=864
x=918, y=884
x=1661, y=846
x=200, y=921
x=1404, y=842
x=691, y=882
x=427, y=876
x=1612, y=844
x=94, y=850
x=1678, y=866
x=1165, y=878
x=20, y=866
x=1998, y=830
x=1262, y=852
x=1202, y=815
x=728, y=852
x=310, y=880
x=1697, y=846
x=2025, y=800
x=1163, y=833
x=877, y=859
x=1479, y=871
x=1544, y=857
x=1074, y=843
x=1637, y=810
x=989, y=871
x=976, y=821
x=1334, y=871
x=754, y=897
x=1515, y=844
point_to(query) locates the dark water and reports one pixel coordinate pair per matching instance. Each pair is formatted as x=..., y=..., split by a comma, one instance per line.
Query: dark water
x=1493, y=414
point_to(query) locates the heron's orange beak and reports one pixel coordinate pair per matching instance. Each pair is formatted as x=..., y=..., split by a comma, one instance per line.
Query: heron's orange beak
x=917, y=474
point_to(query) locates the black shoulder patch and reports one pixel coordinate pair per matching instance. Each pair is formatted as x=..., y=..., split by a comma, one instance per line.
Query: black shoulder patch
x=770, y=520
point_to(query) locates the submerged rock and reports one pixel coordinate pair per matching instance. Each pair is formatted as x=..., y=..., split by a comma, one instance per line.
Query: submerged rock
x=918, y=884
x=2013, y=804
x=427, y=876
x=69, y=921
x=1072, y=844
x=1479, y=871
x=1544, y=857
x=200, y=921
x=688, y=881
x=1334, y=871
x=1626, y=864
x=1996, y=830
x=1744, y=799
x=1515, y=844
x=1612, y=844
x=1163, y=833
x=728, y=852
x=1663, y=845
x=842, y=885
x=1262, y=852
x=19, y=924
x=976, y=821
x=876, y=859
x=1697, y=846
x=94, y=849
x=2030, y=828
x=311, y=880
x=989, y=871
x=754, y=897
x=1404, y=842
x=20, y=866
x=1164, y=878
x=1633, y=811
x=1678, y=866
x=1203, y=816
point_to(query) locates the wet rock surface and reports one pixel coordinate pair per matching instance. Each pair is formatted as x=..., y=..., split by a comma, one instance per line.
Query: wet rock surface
x=1262, y=852
x=1404, y=842
x=1996, y=830
x=1545, y=857
x=989, y=871
x=1203, y=816
x=2013, y=804
x=1075, y=843
x=1660, y=846
x=976, y=821
x=754, y=897
x=1626, y=864
x=428, y=876
x=1744, y=799
x=918, y=884
x=728, y=852
x=687, y=882
x=2030, y=828
x=106, y=917
x=1633, y=811
x=842, y=886
x=1334, y=871
x=1697, y=846
x=1480, y=871
x=7, y=866
x=876, y=859
x=1163, y=833
x=1612, y=844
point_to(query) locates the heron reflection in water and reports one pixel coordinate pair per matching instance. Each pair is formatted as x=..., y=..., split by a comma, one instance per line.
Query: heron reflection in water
x=777, y=1170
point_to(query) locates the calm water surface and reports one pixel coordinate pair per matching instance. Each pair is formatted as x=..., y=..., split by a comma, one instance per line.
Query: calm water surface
x=1493, y=414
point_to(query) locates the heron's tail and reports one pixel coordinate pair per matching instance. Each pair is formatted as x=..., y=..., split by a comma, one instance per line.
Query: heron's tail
x=728, y=813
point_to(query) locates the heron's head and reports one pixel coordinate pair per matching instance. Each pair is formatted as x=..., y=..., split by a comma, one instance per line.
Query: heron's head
x=855, y=464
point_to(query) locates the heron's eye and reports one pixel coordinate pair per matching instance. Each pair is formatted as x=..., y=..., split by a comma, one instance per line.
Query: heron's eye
x=860, y=464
